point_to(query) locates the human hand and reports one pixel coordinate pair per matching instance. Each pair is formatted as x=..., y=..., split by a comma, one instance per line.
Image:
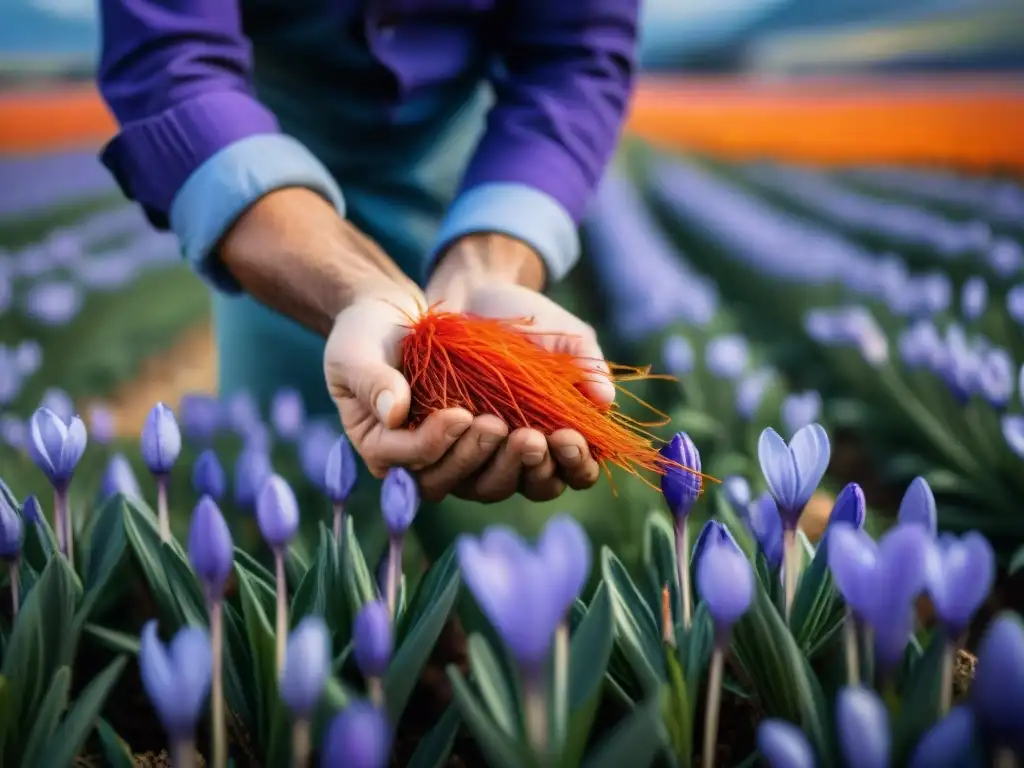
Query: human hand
x=487, y=463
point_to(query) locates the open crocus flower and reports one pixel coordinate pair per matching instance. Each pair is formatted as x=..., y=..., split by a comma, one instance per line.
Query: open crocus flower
x=793, y=471
x=56, y=447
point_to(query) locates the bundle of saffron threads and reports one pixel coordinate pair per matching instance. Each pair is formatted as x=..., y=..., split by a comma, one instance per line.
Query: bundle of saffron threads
x=493, y=366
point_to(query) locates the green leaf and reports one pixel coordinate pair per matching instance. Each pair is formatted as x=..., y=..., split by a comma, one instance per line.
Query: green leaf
x=817, y=610
x=116, y=753
x=920, y=700
x=260, y=632
x=144, y=540
x=695, y=650
x=113, y=639
x=434, y=748
x=635, y=741
x=429, y=612
x=1017, y=561
x=359, y=584
x=7, y=706
x=499, y=748
x=47, y=719
x=492, y=685
x=635, y=627
x=660, y=564
x=67, y=742
x=590, y=651
x=678, y=710
x=322, y=591
x=42, y=641
x=254, y=567
x=184, y=586
x=107, y=542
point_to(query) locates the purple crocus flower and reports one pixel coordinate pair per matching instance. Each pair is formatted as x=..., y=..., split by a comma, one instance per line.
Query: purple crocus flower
x=766, y=526
x=997, y=693
x=677, y=356
x=277, y=513
x=119, y=477
x=862, y=724
x=793, y=471
x=784, y=745
x=252, y=469
x=60, y=402
x=372, y=639
x=565, y=547
x=680, y=488
x=358, y=737
x=974, y=298
x=995, y=378
x=200, y=417
x=959, y=579
x=1012, y=426
x=208, y=477
x=726, y=357
x=210, y=548
x=102, y=425
x=314, y=447
x=307, y=665
x=918, y=506
x=750, y=392
x=287, y=414
x=947, y=743
x=54, y=303
x=798, y=410
x=340, y=473
x=12, y=530
x=176, y=677
x=161, y=440
x=736, y=491
x=399, y=501
x=55, y=446
x=850, y=507
x=725, y=580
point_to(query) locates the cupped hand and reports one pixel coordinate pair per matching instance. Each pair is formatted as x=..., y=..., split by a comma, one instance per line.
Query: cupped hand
x=487, y=463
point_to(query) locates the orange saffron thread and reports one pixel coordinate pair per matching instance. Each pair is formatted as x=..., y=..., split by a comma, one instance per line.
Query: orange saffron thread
x=493, y=366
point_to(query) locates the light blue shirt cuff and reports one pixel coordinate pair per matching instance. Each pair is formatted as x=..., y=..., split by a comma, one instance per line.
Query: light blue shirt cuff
x=519, y=211
x=227, y=184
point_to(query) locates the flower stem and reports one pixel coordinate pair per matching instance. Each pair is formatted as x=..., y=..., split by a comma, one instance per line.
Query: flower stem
x=394, y=574
x=339, y=519
x=161, y=509
x=301, y=743
x=282, y=609
x=791, y=567
x=1005, y=758
x=536, y=711
x=668, y=630
x=375, y=690
x=683, y=570
x=948, y=660
x=69, y=531
x=218, y=726
x=58, y=520
x=713, y=705
x=850, y=641
x=560, y=710
x=183, y=752
x=15, y=579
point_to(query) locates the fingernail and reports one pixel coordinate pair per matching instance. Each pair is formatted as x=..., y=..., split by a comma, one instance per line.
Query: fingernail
x=457, y=430
x=489, y=441
x=385, y=400
x=533, y=458
x=570, y=452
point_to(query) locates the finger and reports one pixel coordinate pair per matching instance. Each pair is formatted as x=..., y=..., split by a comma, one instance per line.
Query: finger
x=576, y=465
x=598, y=380
x=469, y=453
x=524, y=448
x=542, y=483
x=420, y=447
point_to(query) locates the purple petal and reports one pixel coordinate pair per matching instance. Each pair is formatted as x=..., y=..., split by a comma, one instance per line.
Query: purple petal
x=862, y=722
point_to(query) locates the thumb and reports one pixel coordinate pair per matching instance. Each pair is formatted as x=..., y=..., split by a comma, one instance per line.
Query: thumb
x=381, y=389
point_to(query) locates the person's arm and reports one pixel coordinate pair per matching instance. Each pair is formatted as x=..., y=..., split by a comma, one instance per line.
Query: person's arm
x=559, y=108
x=198, y=151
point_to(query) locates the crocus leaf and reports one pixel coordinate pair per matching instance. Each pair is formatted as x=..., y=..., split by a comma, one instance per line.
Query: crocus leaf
x=47, y=718
x=493, y=687
x=260, y=632
x=254, y=567
x=360, y=585
x=921, y=699
x=116, y=753
x=634, y=742
x=678, y=710
x=114, y=640
x=434, y=748
x=660, y=564
x=76, y=726
x=636, y=630
x=144, y=541
x=695, y=649
x=428, y=614
x=184, y=586
x=590, y=649
x=1017, y=561
x=817, y=609
x=7, y=709
x=499, y=748
x=321, y=591
x=107, y=545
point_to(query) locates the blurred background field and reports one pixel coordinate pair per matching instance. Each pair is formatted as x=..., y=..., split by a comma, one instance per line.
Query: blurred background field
x=810, y=196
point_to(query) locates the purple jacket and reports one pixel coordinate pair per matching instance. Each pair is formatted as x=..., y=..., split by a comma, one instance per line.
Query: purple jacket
x=196, y=147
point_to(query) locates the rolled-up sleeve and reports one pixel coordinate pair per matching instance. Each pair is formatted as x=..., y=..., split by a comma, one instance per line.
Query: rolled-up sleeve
x=568, y=71
x=196, y=148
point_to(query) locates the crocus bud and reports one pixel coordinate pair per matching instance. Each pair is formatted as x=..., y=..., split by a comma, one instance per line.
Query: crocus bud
x=681, y=488
x=862, y=723
x=997, y=693
x=101, y=424
x=119, y=478
x=372, y=639
x=340, y=473
x=399, y=500
x=201, y=417
x=850, y=507
x=277, y=513
x=974, y=298
x=358, y=737
x=210, y=548
x=727, y=356
x=737, y=494
x=252, y=470
x=208, y=478
x=176, y=677
x=12, y=530
x=307, y=664
x=766, y=527
x=918, y=506
x=798, y=410
x=947, y=743
x=677, y=356
x=56, y=447
x=725, y=579
x=784, y=745
x=161, y=440
x=31, y=510
x=287, y=413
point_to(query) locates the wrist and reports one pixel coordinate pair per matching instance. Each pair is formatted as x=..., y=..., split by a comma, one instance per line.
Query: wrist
x=487, y=257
